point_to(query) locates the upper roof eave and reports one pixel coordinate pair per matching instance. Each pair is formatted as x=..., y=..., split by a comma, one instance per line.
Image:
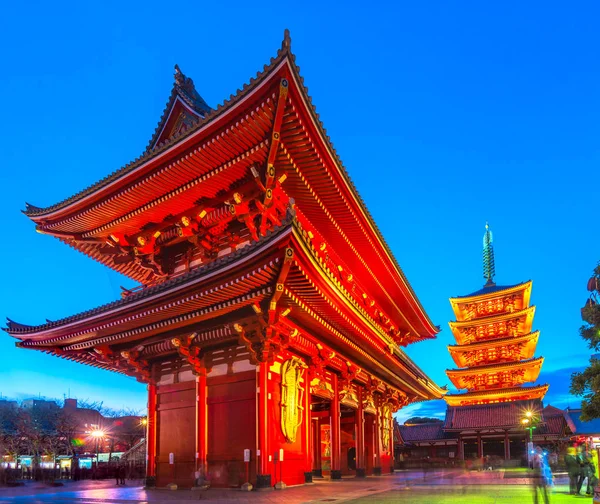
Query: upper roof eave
x=493, y=292
x=38, y=214
x=530, y=311
x=493, y=342
x=529, y=363
x=453, y=399
x=284, y=54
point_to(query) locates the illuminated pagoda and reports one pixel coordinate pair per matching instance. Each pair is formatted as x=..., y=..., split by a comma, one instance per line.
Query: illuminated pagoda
x=495, y=358
x=270, y=313
x=496, y=345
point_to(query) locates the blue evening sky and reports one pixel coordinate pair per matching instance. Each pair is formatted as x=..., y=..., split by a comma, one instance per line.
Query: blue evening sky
x=445, y=114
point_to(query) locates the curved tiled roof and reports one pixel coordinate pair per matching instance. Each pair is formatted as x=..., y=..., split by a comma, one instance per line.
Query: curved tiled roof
x=490, y=289
x=506, y=392
x=16, y=329
x=492, y=367
x=496, y=415
x=284, y=53
x=422, y=432
x=494, y=342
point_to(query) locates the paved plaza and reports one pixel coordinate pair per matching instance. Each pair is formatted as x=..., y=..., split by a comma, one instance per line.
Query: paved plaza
x=410, y=487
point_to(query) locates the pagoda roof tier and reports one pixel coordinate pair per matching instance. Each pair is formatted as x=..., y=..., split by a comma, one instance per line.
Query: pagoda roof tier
x=496, y=395
x=506, y=415
x=279, y=275
x=221, y=150
x=518, y=372
x=464, y=307
x=463, y=355
x=478, y=330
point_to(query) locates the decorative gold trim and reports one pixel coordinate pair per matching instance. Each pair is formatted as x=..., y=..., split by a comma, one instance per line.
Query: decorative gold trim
x=292, y=396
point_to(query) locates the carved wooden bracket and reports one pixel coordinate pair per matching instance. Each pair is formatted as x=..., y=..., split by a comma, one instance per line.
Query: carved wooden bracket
x=141, y=367
x=192, y=354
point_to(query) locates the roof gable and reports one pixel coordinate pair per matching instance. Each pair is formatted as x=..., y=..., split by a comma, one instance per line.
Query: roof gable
x=183, y=110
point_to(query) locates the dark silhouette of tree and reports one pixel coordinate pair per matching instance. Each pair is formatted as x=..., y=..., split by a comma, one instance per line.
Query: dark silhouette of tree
x=586, y=384
x=422, y=420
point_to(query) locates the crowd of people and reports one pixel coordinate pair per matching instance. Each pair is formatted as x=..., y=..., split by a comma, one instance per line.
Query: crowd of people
x=582, y=467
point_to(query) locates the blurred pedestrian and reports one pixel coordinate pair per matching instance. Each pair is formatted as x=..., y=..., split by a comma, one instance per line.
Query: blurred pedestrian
x=538, y=476
x=587, y=471
x=572, y=469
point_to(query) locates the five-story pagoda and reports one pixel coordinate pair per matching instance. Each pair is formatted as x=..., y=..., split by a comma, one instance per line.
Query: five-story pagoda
x=495, y=343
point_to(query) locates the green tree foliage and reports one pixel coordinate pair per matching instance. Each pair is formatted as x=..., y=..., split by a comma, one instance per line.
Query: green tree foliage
x=586, y=384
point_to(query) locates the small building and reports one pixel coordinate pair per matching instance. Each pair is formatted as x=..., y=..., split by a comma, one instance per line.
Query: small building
x=495, y=429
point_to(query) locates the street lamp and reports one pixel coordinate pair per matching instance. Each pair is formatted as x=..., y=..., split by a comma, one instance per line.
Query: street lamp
x=97, y=434
x=528, y=424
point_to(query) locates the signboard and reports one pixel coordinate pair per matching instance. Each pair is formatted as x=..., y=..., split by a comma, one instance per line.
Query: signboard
x=171, y=458
x=280, y=454
x=246, y=455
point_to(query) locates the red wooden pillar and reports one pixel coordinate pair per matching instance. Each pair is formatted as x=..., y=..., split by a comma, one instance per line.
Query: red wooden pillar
x=461, y=448
x=308, y=431
x=391, y=441
x=360, y=436
x=263, y=479
x=316, y=428
x=336, y=446
x=151, y=429
x=377, y=439
x=201, y=423
x=479, y=446
x=506, y=446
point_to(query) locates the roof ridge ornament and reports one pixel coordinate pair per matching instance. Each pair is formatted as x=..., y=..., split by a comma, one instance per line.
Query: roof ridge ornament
x=489, y=267
x=183, y=81
x=286, y=44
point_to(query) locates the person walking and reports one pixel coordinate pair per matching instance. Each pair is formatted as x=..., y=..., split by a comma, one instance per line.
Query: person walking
x=581, y=462
x=116, y=474
x=588, y=471
x=539, y=476
x=572, y=469
x=122, y=473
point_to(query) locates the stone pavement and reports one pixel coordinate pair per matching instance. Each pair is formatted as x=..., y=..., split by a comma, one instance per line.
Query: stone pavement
x=373, y=489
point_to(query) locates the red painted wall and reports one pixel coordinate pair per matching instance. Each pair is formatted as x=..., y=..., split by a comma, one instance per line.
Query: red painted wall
x=231, y=427
x=176, y=419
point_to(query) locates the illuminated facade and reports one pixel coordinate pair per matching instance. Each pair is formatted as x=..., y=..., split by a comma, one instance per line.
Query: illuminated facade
x=495, y=343
x=270, y=313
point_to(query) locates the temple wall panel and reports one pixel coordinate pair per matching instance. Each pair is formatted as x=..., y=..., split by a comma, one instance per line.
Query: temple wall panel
x=176, y=420
x=231, y=427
